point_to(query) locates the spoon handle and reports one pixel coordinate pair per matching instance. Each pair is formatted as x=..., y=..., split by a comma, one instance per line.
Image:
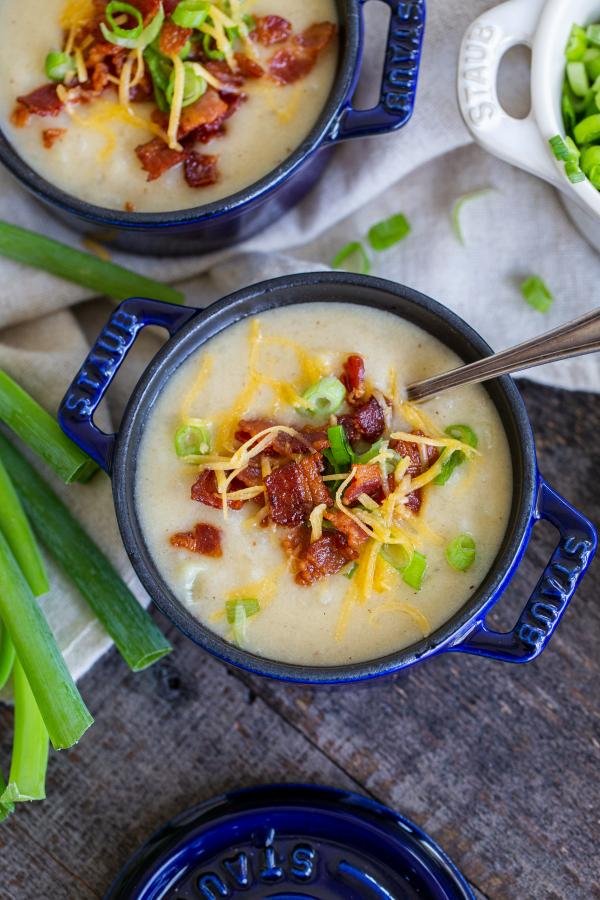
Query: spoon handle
x=575, y=338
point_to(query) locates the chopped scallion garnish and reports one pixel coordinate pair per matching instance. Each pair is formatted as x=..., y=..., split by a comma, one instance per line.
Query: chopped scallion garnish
x=388, y=232
x=194, y=85
x=352, y=258
x=193, y=438
x=134, y=38
x=460, y=552
x=351, y=572
x=414, y=572
x=341, y=450
x=250, y=605
x=462, y=433
x=536, y=293
x=396, y=555
x=457, y=209
x=324, y=397
x=58, y=65
x=190, y=13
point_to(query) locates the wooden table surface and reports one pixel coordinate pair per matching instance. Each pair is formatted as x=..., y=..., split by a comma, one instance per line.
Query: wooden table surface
x=498, y=762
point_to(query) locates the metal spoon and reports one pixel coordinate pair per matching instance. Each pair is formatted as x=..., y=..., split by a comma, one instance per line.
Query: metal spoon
x=572, y=339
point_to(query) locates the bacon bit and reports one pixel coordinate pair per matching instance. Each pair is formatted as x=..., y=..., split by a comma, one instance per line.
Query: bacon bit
x=295, y=489
x=204, y=489
x=20, y=116
x=282, y=445
x=208, y=109
x=105, y=52
x=355, y=536
x=149, y=8
x=316, y=437
x=156, y=157
x=367, y=421
x=323, y=557
x=247, y=67
x=200, y=169
x=353, y=378
x=204, y=539
x=100, y=77
x=271, y=30
x=170, y=6
x=223, y=73
x=367, y=480
x=251, y=476
x=172, y=38
x=44, y=101
x=129, y=206
x=417, y=466
x=51, y=135
x=292, y=63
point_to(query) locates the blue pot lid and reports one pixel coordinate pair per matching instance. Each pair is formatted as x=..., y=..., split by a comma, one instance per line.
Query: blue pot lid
x=290, y=842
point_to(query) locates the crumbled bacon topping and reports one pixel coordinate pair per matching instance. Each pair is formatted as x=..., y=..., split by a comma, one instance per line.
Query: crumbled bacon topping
x=271, y=30
x=294, y=489
x=297, y=59
x=172, y=38
x=51, y=135
x=353, y=378
x=323, y=557
x=367, y=422
x=200, y=169
x=205, y=539
x=44, y=101
x=156, y=157
x=204, y=489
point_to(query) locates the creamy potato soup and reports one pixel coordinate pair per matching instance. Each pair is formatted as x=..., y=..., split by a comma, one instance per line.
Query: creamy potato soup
x=298, y=506
x=119, y=105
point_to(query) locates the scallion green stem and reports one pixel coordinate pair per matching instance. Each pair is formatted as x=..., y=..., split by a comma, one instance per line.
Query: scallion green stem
x=27, y=779
x=138, y=639
x=42, y=433
x=6, y=807
x=66, y=262
x=64, y=713
x=7, y=655
x=19, y=536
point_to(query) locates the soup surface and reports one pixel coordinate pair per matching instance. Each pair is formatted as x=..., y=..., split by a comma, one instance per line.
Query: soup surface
x=104, y=139
x=362, y=566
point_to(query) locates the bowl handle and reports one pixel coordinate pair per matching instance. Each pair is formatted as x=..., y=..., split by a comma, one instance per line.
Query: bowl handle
x=553, y=592
x=486, y=40
x=399, y=79
x=102, y=363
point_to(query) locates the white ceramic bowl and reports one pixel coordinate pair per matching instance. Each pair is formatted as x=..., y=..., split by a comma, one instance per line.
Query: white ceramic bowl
x=544, y=26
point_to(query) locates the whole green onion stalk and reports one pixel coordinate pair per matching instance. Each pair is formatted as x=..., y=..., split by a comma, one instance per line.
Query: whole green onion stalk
x=27, y=779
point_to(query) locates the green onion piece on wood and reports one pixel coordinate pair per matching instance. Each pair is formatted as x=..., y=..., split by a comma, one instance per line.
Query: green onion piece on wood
x=457, y=208
x=341, y=450
x=352, y=258
x=388, y=232
x=29, y=760
x=42, y=433
x=250, y=605
x=324, y=397
x=414, y=572
x=536, y=293
x=136, y=636
x=7, y=656
x=85, y=269
x=64, y=713
x=193, y=438
x=190, y=13
x=460, y=552
x=58, y=65
x=19, y=537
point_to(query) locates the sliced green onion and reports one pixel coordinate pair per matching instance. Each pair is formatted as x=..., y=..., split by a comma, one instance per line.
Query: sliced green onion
x=396, y=555
x=250, y=605
x=194, y=85
x=578, y=78
x=594, y=176
x=208, y=45
x=577, y=43
x=341, y=450
x=463, y=433
x=592, y=33
x=27, y=779
x=116, y=7
x=458, y=206
x=99, y=276
x=58, y=65
x=559, y=147
x=42, y=433
x=573, y=172
x=460, y=552
x=352, y=258
x=249, y=21
x=19, y=536
x=588, y=130
x=128, y=39
x=64, y=713
x=160, y=69
x=388, y=232
x=7, y=657
x=193, y=438
x=592, y=67
x=536, y=293
x=351, y=572
x=190, y=13
x=415, y=570
x=136, y=636
x=324, y=397
x=568, y=108
x=371, y=453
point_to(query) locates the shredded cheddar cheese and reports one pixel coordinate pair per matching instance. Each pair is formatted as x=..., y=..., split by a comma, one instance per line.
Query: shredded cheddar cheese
x=316, y=522
x=177, y=102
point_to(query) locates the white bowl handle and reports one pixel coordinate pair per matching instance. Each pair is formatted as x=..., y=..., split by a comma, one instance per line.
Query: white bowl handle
x=517, y=141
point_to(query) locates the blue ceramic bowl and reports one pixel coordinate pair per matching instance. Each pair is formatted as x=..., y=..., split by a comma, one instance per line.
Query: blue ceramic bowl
x=533, y=498
x=243, y=214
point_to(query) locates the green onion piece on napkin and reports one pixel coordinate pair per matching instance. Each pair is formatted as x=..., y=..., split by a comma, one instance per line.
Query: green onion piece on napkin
x=82, y=268
x=457, y=207
x=29, y=760
x=42, y=433
x=138, y=639
x=536, y=293
x=388, y=232
x=352, y=258
x=64, y=713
